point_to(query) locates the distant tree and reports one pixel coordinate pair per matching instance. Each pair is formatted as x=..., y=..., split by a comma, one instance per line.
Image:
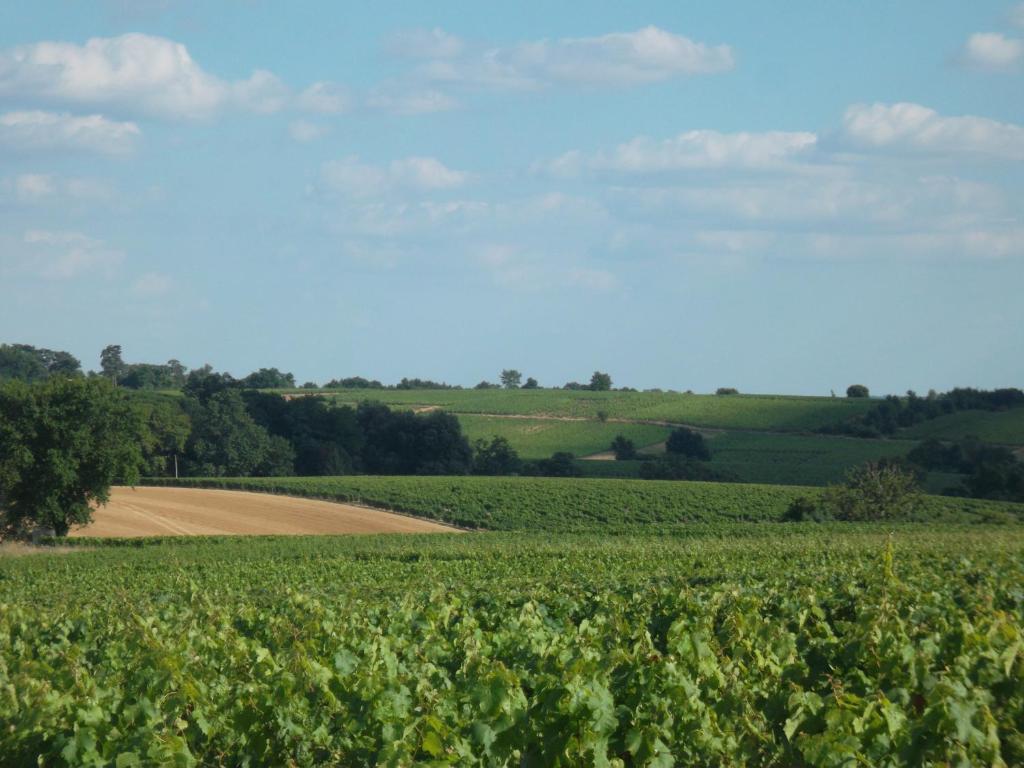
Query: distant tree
x=602, y=416
x=21, y=364
x=177, y=372
x=624, y=448
x=111, y=364
x=63, y=443
x=423, y=384
x=496, y=457
x=269, y=378
x=531, y=383
x=857, y=390
x=353, y=382
x=403, y=443
x=727, y=391
x=600, y=382
x=874, y=491
x=803, y=510
x=687, y=442
x=310, y=385
x=165, y=430
x=510, y=378
x=674, y=466
x=225, y=440
x=561, y=464
x=487, y=385
x=575, y=385
x=203, y=383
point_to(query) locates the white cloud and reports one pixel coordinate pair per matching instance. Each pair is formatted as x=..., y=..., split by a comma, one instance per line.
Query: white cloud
x=906, y=126
x=411, y=102
x=134, y=73
x=304, y=131
x=58, y=255
x=992, y=51
x=425, y=44
x=621, y=58
x=693, y=150
x=423, y=174
x=151, y=285
x=45, y=187
x=325, y=98
x=38, y=130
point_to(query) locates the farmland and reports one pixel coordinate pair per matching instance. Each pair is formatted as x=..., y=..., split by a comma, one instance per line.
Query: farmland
x=1005, y=427
x=765, y=412
x=195, y=512
x=514, y=649
x=571, y=504
x=539, y=438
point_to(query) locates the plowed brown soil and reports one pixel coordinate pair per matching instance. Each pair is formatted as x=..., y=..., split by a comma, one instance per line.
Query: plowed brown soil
x=198, y=512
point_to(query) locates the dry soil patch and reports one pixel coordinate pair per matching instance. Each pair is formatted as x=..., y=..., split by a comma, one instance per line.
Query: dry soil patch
x=199, y=512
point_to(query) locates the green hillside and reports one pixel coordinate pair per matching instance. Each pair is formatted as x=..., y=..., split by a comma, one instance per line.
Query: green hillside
x=765, y=412
x=539, y=438
x=1005, y=427
x=572, y=504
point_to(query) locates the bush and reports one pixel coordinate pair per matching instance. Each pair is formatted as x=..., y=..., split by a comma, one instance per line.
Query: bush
x=857, y=390
x=727, y=391
x=676, y=467
x=873, y=492
x=624, y=448
x=804, y=510
x=686, y=442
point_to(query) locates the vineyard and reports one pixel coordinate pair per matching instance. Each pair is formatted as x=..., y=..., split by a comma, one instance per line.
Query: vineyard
x=765, y=412
x=573, y=504
x=516, y=650
x=991, y=426
x=539, y=438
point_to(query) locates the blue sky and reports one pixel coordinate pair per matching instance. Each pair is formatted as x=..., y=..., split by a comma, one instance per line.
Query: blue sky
x=780, y=198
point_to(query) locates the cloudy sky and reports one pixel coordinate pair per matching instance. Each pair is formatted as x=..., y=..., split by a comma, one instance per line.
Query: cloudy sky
x=780, y=198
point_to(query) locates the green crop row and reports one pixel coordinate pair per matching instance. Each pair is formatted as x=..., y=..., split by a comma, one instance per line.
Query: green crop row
x=766, y=412
x=1005, y=427
x=539, y=438
x=572, y=504
x=828, y=646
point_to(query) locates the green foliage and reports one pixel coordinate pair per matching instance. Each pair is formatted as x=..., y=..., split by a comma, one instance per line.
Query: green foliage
x=811, y=646
x=111, y=363
x=63, y=443
x=857, y=390
x=797, y=459
x=762, y=412
x=268, y=378
x=557, y=504
x=727, y=391
x=600, y=382
x=805, y=510
x=24, y=362
x=875, y=491
x=688, y=443
x=623, y=448
x=496, y=457
x=1006, y=427
x=511, y=378
x=531, y=383
x=675, y=466
x=539, y=438
x=225, y=440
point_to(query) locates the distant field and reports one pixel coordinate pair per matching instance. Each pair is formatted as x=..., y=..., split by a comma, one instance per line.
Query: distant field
x=797, y=459
x=990, y=426
x=539, y=438
x=764, y=412
x=134, y=512
x=572, y=504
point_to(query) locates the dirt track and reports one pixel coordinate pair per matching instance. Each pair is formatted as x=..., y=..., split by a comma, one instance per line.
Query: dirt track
x=198, y=512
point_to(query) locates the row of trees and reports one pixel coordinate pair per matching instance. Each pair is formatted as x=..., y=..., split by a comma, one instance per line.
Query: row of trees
x=894, y=412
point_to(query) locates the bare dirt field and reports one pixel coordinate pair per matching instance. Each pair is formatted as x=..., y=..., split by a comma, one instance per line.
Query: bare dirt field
x=197, y=512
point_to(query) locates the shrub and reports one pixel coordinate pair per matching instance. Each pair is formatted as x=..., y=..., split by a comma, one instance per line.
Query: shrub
x=686, y=442
x=727, y=391
x=624, y=448
x=875, y=491
x=857, y=390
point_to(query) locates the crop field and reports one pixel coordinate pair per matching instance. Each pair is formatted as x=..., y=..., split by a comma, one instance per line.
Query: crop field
x=766, y=412
x=574, y=504
x=797, y=459
x=990, y=426
x=825, y=646
x=198, y=512
x=539, y=438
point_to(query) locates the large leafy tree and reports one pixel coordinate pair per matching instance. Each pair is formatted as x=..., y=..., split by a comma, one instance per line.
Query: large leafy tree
x=226, y=441
x=510, y=378
x=63, y=443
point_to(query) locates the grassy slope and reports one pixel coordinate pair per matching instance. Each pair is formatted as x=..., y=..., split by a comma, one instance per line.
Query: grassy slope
x=797, y=459
x=538, y=438
x=555, y=504
x=991, y=426
x=765, y=412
